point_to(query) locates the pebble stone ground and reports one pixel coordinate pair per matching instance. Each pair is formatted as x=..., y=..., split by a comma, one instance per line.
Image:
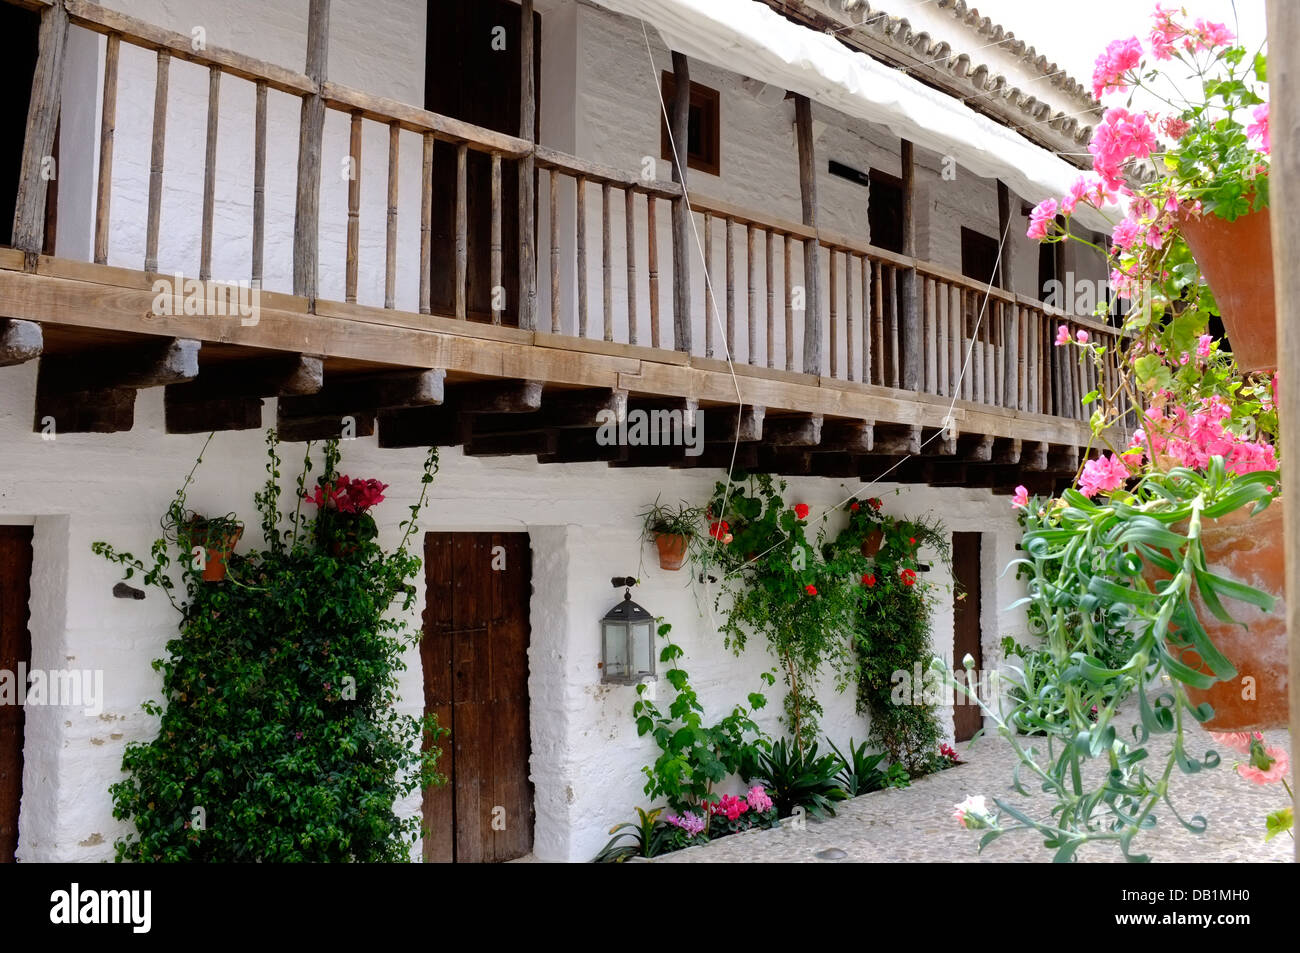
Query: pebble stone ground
x=916, y=823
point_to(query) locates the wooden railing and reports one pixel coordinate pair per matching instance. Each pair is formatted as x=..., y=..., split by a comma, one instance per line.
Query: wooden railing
x=977, y=344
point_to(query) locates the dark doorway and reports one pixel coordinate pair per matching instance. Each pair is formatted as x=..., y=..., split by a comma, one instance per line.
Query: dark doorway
x=979, y=257
x=475, y=660
x=472, y=66
x=19, y=31
x=966, y=718
x=885, y=211
x=15, y=655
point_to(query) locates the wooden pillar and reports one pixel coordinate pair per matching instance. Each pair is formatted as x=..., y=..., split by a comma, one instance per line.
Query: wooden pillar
x=38, y=140
x=527, y=172
x=812, y=316
x=913, y=345
x=681, y=114
x=1284, y=113
x=1010, y=314
x=306, y=216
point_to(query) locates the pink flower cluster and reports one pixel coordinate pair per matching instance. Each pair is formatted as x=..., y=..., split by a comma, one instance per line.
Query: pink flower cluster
x=1192, y=439
x=1121, y=136
x=1258, y=130
x=1119, y=57
x=1105, y=474
x=1267, y=763
x=729, y=805
x=1203, y=34
x=758, y=799
x=688, y=821
x=1021, y=498
x=348, y=496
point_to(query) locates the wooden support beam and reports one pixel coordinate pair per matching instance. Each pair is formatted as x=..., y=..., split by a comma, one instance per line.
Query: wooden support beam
x=804, y=430
x=722, y=456
x=726, y=425
x=38, y=137
x=527, y=172
x=975, y=448
x=581, y=446
x=560, y=410
x=812, y=317
x=20, y=341
x=302, y=429
x=682, y=246
x=542, y=443
x=785, y=461
x=837, y=464
x=389, y=390
x=1034, y=458
x=898, y=441
x=848, y=436
x=939, y=442
x=95, y=393
x=910, y=333
x=1063, y=460
x=229, y=396
x=498, y=397
x=420, y=427
x=1007, y=451
x=941, y=472
x=306, y=217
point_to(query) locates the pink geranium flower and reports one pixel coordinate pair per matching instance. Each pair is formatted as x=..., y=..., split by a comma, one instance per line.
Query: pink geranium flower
x=1238, y=741
x=1119, y=57
x=1021, y=498
x=1041, y=219
x=1081, y=336
x=1062, y=335
x=1258, y=130
x=1103, y=475
x=1278, y=769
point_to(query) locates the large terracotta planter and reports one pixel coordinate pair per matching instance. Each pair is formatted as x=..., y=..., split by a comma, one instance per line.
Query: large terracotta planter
x=672, y=550
x=1237, y=260
x=1249, y=550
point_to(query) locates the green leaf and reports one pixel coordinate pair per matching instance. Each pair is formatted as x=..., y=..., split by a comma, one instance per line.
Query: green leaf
x=1279, y=822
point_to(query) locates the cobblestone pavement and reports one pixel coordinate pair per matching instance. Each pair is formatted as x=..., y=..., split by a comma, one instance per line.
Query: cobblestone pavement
x=916, y=823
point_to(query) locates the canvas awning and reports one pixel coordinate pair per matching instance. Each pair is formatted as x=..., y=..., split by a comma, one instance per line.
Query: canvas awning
x=753, y=40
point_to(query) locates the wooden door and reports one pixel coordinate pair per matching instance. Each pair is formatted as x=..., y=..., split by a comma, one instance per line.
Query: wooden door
x=472, y=68
x=475, y=659
x=966, y=716
x=15, y=651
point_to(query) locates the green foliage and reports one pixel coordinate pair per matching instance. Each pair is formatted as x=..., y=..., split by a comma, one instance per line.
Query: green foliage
x=693, y=756
x=861, y=773
x=661, y=520
x=278, y=737
x=648, y=836
x=795, y=778
x=1085, y=564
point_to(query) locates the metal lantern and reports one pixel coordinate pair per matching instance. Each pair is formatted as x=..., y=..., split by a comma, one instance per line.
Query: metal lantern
x=627, y=639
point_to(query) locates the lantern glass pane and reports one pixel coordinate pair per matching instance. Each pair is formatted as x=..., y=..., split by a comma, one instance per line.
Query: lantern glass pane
x=615, y=634
x=642, y=647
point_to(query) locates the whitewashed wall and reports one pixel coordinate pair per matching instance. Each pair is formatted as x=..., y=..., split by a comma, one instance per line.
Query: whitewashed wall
x=586, y=758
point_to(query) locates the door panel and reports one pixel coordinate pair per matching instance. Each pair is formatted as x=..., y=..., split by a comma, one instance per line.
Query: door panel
x=15, y=650
x=966, y=626
x=475, y=659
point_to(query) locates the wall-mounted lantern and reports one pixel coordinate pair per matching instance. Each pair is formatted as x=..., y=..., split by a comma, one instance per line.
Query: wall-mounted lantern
x=627, y=639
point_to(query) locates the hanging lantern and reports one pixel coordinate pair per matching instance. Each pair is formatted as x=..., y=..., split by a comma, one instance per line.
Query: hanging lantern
x=627, y=639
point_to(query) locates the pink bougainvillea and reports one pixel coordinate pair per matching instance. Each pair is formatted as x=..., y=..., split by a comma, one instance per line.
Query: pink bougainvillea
x=348, y=496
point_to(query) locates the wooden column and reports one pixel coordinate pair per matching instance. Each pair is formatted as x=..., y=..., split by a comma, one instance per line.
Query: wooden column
x=1284, y=113
x=527, y=173
x=306, y=216
x=812, y=318
x=1010, y=314
x=910, y=332
x=38, y=140
x=681, y=114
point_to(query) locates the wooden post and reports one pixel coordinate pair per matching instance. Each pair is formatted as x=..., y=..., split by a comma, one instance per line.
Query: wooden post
x=681, y=114
x=910, y=333
x=210, y=174
x=527, y=173
x=156, y=159
x=426, y=226
x=1011, y=318
x=652, y=263
x=38, y=139
x=462, y=231
x=1284, y=112
x=390, y=235
x=107, y=128
x=353, y=262
x=496, y=252
x=812, y=319
x=259, y=184
x=629, y=230
x=306, y=216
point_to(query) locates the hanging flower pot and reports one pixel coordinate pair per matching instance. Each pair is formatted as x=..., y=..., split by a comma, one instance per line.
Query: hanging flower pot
x=672, y=550
x=1249, y=550
x=1237, y=260
x=872, y=542
x=218, y=539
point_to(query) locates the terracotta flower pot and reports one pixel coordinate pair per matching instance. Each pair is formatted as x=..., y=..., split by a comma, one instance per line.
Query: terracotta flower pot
x=871, y=545
x=1237, y=260
x=1249, y=550
x=672, y=550
x=217, y=548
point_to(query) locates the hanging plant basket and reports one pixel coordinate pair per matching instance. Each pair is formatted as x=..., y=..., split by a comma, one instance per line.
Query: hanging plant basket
x=1237, y=260
x=218, y=539
x=672, y=550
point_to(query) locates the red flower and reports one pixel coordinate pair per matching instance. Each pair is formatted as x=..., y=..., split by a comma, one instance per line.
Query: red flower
x=912, y=540
x=908, y=576
x=810, y=589
x=874, y=503
x=719, y=530
x=348, y=495
x=854, y=508
x=868, y=580
x=801, y=510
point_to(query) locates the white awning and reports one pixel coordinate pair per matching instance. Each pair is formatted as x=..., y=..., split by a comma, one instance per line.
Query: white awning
x=753, y=40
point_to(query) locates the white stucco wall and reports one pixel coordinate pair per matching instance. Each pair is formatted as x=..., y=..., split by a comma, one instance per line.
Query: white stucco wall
x=586, y=758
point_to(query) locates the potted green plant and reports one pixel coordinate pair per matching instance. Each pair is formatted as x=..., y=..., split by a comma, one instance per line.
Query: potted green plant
x=672, y=528
x=344, y=522
x=215, y=536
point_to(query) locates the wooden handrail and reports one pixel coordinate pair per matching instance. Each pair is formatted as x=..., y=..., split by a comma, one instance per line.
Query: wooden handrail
x=747, y=216
x=604, y=174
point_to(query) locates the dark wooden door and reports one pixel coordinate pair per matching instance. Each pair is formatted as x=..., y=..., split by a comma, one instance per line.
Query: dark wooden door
x=966, y=640
x=15, y=650
x=475, y=659
x=472, y=68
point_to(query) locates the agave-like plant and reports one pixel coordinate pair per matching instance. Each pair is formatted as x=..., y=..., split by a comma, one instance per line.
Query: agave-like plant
x=795, y=779
x=648, y=838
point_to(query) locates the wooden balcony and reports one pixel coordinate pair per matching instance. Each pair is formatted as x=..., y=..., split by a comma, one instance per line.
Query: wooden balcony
x=918, y=371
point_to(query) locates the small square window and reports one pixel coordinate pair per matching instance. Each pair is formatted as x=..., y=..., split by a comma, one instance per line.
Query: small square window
x=704, y=148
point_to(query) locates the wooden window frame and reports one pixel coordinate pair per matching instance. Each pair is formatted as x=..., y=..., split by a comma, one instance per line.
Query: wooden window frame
x=709, y=101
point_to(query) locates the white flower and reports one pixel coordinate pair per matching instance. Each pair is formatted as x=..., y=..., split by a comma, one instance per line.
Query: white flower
x=972, y=812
